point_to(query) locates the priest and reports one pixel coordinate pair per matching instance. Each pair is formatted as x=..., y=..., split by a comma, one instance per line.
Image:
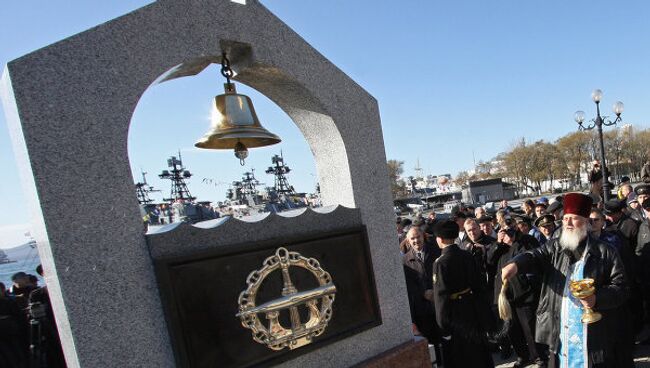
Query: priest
x=575, y=256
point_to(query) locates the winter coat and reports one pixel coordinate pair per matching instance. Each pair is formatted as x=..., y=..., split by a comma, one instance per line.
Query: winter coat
x=604, y=265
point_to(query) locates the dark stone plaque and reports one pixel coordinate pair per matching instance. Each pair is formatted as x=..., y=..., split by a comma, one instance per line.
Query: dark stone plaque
x=200, y=296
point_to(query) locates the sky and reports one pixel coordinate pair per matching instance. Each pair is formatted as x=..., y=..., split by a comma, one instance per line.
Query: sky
x=456, y=81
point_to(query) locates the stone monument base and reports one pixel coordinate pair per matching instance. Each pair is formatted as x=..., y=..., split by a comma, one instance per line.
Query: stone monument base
x=413, y=354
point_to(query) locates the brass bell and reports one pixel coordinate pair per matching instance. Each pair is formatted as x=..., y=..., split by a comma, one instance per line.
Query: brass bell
x=234, y=122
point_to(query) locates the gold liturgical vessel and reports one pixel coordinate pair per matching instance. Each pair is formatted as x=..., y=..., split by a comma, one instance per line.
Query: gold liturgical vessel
x=582, y=289
x=234, y=122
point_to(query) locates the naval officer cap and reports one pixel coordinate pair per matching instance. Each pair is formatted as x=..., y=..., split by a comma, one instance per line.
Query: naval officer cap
x=447, y=229
x=545, y=220
x=642, y=189
x=613, y=206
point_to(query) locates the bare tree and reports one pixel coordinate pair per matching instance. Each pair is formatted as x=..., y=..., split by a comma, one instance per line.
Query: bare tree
x=573, y=150
x=395, y=169
x=463, y=178
x=627, y=149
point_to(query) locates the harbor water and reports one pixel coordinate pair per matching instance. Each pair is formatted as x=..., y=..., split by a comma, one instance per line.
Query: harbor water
x=25, y=259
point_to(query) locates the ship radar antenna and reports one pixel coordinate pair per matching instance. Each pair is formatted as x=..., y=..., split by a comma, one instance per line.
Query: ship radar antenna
x=177, y=174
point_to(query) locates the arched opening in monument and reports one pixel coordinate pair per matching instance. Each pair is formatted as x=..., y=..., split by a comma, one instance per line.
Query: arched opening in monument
x=173, y=113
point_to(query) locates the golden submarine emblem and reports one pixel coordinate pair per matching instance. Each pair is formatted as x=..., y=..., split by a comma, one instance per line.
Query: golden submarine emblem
x=318, y=302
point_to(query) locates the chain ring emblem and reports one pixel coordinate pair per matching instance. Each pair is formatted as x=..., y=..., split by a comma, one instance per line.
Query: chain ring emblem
x=273, y=334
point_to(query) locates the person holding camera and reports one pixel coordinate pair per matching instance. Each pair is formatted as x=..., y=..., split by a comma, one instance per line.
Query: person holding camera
x=522, y=293
x=596, y=180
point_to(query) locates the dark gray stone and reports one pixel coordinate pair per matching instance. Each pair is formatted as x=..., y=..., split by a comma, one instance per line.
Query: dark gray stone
x=69, y=106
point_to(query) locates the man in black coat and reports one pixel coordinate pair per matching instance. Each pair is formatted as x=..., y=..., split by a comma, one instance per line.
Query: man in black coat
x=627, y=229
x=574, y=256
x=643, y=238
x=620, y=223
x=484, y=249
x=478, y=245
x=522, y=293
x=418, y=262
x=462, y=311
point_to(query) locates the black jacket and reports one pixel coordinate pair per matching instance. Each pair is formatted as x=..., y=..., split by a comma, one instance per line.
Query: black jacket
x=603, y=264
x=627, y=229
x=419, y=278
x=636, y=215
x=643, y=252
x=461, y=307
x=524, y=288
x=480, y=254
x=462, y=311
x=643, y=240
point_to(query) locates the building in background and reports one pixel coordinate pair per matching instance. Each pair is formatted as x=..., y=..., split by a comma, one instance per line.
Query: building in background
x=490, y=190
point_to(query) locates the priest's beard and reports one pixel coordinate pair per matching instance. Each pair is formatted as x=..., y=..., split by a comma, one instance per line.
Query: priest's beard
x=569, y=239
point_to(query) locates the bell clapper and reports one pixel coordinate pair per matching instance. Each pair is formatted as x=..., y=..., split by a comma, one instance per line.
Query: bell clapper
x=241, y=152
x=234, y=120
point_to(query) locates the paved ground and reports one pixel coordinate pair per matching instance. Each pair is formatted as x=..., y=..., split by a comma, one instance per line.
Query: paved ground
x=642, y=358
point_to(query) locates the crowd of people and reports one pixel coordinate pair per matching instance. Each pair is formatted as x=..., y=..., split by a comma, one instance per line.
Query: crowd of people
x=482, y=282
x=460, y=270
x=28, y=334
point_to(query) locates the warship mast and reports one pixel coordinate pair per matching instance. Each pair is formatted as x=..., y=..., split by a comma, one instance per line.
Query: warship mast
x=177, y=174
x=279, y=171
x=142, y=189
x=249, y=187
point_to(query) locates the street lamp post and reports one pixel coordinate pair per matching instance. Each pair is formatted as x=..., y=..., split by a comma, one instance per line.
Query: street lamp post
x=598, y=122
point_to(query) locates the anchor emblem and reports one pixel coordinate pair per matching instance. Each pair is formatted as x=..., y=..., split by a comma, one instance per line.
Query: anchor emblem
x=318, y=302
